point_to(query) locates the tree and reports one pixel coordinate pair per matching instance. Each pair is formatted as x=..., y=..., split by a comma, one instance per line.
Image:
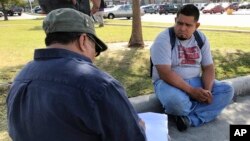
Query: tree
x=5, y=3
x=136, y=39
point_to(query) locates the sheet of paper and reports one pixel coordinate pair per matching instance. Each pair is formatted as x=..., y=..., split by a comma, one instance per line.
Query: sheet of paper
x=156, y=126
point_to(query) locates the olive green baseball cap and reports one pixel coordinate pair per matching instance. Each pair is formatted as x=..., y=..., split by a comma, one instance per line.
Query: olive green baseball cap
x=70, y=20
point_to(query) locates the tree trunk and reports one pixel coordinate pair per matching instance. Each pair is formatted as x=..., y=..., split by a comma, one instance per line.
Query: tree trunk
x=4, y=12
x=136, y=39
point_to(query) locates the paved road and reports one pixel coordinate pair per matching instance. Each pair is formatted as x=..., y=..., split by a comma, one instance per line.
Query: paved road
x=24, y=16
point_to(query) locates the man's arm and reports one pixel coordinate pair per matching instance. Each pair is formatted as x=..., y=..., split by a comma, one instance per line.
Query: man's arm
x=172, y=78
x=208, y=76
x=96, y=6
x=118, y=117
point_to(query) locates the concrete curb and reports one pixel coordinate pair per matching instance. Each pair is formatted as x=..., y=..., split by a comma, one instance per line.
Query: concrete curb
x=149, y=103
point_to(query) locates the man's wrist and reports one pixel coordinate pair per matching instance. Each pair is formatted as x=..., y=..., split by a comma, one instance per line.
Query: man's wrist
x=95, y=7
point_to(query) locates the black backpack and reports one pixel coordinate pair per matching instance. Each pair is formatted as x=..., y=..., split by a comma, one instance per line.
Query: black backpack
x=172, y=42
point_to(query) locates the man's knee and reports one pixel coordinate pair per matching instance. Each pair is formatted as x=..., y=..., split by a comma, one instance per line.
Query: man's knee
x=178, y=107
x=224, y=88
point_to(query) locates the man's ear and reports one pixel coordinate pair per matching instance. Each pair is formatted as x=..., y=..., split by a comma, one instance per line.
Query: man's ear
x=197, y=25
x=82, y=41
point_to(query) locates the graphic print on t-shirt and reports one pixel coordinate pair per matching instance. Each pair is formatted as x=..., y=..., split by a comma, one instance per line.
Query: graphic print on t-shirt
x=188, y=56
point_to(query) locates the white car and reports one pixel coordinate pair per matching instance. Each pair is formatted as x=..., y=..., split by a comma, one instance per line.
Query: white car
x=119, y=11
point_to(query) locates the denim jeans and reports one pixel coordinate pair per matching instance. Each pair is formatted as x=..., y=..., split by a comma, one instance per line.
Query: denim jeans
x=178, y=102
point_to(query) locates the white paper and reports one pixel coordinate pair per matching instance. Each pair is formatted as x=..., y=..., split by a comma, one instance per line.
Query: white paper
x=156, y=126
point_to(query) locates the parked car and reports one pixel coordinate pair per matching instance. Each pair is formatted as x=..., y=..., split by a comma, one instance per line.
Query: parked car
x=14, y=10
x=168, y=8
x=1, y=13
x=244, y=5
x=149, y=9
x=37, y=10
x=119, y=11
x=199, y=5
x=203, y=6
x=110, y=6
x=227, y=5
x=213, y=8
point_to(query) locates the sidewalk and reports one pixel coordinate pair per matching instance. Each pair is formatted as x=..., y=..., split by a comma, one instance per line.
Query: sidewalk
x=218, y=130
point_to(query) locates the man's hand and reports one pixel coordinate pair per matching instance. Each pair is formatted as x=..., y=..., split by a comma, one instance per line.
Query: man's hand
x=210, y=98
x=94, y=10
x=201, y=95
x=142, y=124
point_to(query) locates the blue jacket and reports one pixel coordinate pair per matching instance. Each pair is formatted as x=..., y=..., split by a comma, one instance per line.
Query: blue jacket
x=62, y=96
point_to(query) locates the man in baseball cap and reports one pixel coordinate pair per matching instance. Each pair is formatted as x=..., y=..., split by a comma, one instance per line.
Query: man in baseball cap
x=62, y=96
x=69, y=20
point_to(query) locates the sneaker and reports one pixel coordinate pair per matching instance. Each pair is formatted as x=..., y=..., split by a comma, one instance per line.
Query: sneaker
x=182, y=123
x=101, y=25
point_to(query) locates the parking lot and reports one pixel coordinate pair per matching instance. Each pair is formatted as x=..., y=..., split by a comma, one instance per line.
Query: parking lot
x=241, y=19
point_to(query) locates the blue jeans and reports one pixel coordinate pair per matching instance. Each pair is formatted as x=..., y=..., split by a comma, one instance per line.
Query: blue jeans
x=178, y=102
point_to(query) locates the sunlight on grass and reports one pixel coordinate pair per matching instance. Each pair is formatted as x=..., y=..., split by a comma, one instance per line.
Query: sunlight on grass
x=131, y=69
x=4, y=136
x=129, y=66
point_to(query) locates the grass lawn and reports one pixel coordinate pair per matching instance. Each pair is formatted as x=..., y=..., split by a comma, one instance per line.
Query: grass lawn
x=130, y=66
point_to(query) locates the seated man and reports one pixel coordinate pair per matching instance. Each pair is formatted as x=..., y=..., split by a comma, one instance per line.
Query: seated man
x=184, y=75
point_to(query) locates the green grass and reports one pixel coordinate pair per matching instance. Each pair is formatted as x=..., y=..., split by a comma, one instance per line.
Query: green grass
x=160, y=24
x=19, y=38
x=128, y=65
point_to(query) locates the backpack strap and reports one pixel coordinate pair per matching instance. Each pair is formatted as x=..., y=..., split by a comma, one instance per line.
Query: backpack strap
x=151, y=67
x=172, y=42
x=198, y=39
x=172, y=37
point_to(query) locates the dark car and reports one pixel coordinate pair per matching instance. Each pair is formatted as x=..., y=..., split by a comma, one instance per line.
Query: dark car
x=244, y=6
x=213, y=8
x=234, y=6
x=15, y=10
x=168, y=8
x=227, y=5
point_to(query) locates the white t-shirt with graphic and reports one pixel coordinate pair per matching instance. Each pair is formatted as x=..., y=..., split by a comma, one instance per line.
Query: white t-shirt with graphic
x=186, y=58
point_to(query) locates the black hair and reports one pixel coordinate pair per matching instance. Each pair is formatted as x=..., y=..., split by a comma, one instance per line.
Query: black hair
x=61, y=37
x=189, y=10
